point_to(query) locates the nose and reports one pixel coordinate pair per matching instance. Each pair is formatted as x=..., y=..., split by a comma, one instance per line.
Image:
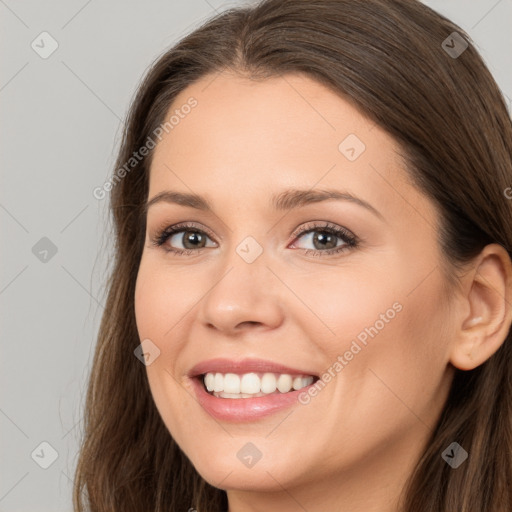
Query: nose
x=246, y=296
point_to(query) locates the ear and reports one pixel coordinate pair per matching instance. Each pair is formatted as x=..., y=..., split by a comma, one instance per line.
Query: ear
x=487, y=306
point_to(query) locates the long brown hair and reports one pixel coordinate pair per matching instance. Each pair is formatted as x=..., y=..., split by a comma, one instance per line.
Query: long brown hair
x=451, y=121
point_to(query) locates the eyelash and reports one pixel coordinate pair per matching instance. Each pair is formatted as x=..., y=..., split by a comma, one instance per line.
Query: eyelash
x=351, y=241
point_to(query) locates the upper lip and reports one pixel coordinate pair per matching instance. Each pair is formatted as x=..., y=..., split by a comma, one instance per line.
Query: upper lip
x=222, y=365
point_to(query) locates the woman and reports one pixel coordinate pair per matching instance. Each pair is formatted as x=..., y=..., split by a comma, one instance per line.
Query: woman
x=313, y=271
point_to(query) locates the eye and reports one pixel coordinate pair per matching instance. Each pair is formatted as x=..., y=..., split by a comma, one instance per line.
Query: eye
x=187, y=235
x=326, y=238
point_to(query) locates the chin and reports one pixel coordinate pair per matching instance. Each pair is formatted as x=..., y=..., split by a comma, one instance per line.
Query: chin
x=233, y=476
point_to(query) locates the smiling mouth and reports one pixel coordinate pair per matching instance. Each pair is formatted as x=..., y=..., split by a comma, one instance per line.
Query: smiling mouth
x=253, y=384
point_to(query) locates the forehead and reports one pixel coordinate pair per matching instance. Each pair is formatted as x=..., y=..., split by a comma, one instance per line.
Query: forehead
x=291, y=116
x=283, y=132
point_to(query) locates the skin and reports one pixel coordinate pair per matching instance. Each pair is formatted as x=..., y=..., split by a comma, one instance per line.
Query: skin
x=352, y=447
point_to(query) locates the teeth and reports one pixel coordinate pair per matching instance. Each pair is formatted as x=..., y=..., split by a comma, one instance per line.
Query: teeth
x=218, y=382
x=209, y=381
x=249, y=385
x=268, y=383
x=301, y=382
x=297, y=383
x=284, y=383
x=231, y=383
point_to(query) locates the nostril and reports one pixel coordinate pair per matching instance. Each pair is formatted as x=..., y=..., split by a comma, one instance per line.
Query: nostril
x=248, y=322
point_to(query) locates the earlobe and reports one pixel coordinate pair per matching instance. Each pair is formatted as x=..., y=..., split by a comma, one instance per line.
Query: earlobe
x=488, y=299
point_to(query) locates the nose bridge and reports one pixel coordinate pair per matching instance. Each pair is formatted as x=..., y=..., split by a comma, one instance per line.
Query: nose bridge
x=244, y=290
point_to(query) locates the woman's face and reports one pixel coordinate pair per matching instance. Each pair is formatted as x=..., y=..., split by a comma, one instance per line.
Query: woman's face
x=276, y=282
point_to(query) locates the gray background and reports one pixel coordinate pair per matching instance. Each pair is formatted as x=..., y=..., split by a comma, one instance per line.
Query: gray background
x=61, y=120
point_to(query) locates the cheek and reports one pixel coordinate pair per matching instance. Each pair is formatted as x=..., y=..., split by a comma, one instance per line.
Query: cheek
x=388, y=347
x=157, y=301
x=401, y=369
x=157, y=310
x=345, y=305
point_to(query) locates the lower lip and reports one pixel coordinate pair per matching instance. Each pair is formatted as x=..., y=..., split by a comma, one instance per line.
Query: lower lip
x=244, y=409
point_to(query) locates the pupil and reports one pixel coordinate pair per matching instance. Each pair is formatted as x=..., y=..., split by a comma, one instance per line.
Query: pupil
x=193, y=237
x=324, y=237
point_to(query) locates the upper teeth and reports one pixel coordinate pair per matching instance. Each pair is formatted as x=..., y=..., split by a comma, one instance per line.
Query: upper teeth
x=252, y=383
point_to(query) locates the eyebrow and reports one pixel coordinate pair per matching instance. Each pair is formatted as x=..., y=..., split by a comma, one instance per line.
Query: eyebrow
x=286, y=200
